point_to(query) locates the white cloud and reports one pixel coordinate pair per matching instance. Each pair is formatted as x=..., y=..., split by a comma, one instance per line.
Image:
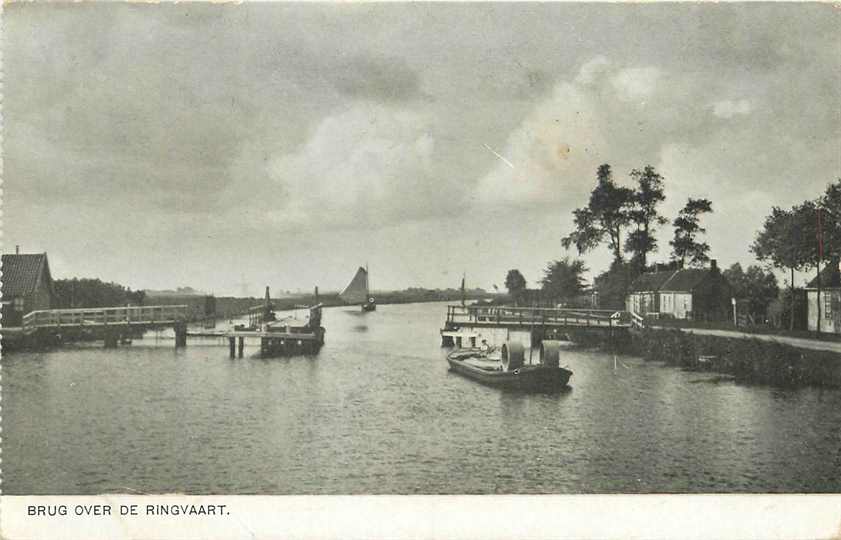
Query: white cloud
x=362, y=166
x=636, y=84
x=553, y=149
x=729, y=109
x=592, y=70
x=556, y=149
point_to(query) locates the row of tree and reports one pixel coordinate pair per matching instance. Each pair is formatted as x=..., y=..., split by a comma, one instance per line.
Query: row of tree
x=562, y=282
x=626, y=220
x=89, y=293
x=613, y=210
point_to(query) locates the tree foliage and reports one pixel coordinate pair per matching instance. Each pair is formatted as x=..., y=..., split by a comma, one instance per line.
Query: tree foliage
x=88, y=293
x=784, y=242
x=687, y=224
x=564, y=279
x=613, y=284
x=645, y=214
x=830, y=206
x=783, y=238
x=605, y=215
x=756, y=285
x=515, y=283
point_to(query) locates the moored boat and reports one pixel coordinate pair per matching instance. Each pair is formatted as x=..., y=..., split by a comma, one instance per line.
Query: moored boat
x=508, y=369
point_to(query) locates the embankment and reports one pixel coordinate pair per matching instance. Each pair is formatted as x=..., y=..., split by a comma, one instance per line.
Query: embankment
x=749, y=360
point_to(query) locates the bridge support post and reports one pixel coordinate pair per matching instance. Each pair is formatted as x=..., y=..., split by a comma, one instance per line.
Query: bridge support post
x=180, y=335
x=112, y=338
x=232, y=347
x=241, y=346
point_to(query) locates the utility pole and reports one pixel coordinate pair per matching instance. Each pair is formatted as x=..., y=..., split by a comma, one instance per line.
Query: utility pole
x=820, y=256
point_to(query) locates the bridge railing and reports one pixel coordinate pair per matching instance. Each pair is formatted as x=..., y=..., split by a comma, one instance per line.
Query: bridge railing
x=537, y=316
x=105, y=316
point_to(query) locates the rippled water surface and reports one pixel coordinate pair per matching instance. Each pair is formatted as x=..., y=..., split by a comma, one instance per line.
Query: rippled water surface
x=376, y=411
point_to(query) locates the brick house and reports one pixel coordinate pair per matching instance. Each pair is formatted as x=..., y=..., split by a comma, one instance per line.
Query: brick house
x=685, y=293
x=27, y=286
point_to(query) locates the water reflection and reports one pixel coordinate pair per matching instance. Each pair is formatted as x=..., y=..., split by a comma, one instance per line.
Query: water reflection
x=377, y=411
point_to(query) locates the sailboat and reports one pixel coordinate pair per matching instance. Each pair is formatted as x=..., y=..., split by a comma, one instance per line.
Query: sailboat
x=357, y=291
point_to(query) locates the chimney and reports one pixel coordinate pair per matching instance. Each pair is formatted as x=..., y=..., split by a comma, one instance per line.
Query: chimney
x=17, y=250
x=713, y=265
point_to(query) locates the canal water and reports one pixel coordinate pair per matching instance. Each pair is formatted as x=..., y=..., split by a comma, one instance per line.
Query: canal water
x=377, y=411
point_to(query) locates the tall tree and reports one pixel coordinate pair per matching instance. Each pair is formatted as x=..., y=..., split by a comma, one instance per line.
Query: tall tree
x=687, y=228
x=647, y=197
x=515, y=283
x=564, y=279
x=782, y=243
x=604, y=217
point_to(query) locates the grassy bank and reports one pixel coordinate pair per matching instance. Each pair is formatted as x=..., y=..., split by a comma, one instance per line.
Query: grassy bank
x=749, y=360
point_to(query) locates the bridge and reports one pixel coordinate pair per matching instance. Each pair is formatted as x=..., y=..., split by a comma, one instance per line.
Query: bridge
x=112, y=324
x=533, y=319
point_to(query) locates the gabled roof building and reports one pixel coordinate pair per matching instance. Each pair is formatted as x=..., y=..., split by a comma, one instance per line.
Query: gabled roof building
x=828, y=309
x=685, y=293
x=27, y=286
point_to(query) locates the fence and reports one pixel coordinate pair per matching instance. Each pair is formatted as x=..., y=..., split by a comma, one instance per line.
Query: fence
x=135, y=315
x=525, y=316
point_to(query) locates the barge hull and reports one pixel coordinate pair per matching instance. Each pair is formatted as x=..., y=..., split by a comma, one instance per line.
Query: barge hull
x=527, y=378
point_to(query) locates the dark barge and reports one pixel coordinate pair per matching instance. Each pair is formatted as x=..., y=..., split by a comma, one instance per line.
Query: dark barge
x=509, y=371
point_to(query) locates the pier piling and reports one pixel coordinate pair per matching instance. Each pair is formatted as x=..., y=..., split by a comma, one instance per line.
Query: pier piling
x=180, y=335
x=241, y=345
x=111, y=340
x=232, y=346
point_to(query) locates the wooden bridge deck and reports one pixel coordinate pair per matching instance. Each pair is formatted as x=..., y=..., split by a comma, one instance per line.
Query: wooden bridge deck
x=531, y=317
x=100, y=318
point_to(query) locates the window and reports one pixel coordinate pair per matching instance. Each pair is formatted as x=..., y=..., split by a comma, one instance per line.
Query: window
x=827, y=305
x=18, y=303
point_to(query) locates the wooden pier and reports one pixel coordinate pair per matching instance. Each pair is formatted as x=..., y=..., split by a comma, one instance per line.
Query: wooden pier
x=272, y=343
x=466, y=320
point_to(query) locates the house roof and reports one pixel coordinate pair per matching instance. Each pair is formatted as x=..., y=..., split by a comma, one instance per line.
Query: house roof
x=650, y=281
x=673, y=280
x=686, y=279
x=20, y=273
x=830, y=277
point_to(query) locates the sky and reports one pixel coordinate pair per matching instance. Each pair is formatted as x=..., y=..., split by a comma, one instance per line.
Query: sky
x=224, y=146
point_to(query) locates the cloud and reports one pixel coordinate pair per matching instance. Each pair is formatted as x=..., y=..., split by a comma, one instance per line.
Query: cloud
x=592, y=70
x=636, y=84
x=729, y=109
x=548, y=155
x=377, y=79
x=558, y=146
x=366, y=166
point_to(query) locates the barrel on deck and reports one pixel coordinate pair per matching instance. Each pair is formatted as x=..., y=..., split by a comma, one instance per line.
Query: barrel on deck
x=550, y=353
x=513, y=355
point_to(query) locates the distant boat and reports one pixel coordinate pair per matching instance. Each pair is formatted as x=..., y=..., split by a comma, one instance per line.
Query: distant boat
x=507, y=369
x=357, y=291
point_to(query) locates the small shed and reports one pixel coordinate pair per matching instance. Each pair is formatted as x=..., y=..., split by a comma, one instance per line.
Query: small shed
x=685, y=293
x=27, y=286
x=830, y=300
